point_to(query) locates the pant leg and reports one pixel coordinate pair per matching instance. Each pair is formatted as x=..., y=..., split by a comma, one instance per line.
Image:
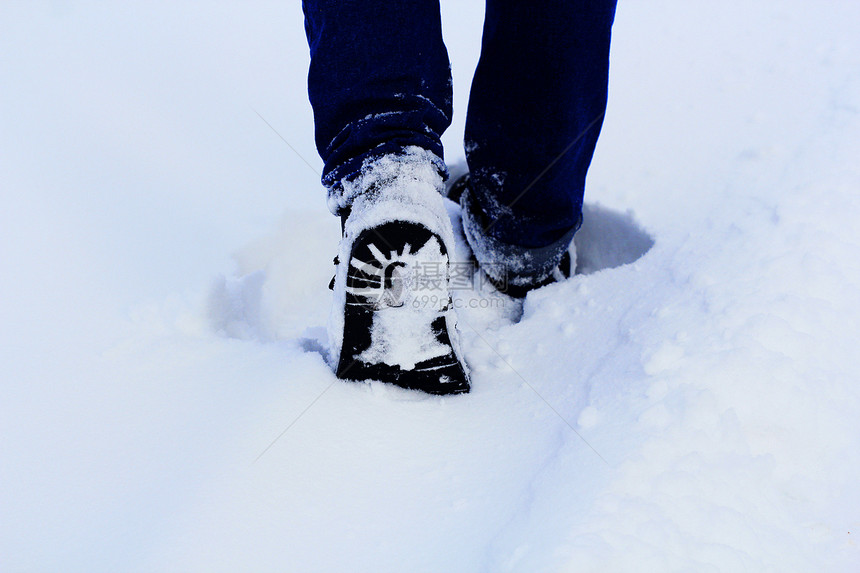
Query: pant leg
x=535, y=111
x=379, y=83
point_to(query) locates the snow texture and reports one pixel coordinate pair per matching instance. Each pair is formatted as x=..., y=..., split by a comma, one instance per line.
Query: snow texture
x=687, y=402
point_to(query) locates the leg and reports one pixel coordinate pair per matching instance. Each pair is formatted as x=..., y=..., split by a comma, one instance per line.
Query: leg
x=379, y=83
x=380, y=86
x=535, y=111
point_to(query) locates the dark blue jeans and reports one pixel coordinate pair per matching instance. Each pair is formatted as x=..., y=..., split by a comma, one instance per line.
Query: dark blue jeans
x=380, y=82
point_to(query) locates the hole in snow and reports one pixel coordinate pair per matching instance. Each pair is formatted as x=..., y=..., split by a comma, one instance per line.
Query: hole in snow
x=314, y=342
x=608, y=239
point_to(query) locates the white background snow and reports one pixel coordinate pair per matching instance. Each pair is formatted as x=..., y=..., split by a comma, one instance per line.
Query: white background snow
x=164, y=257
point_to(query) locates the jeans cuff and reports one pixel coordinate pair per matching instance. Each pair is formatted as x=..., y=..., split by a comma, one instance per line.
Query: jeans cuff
x=376, y=169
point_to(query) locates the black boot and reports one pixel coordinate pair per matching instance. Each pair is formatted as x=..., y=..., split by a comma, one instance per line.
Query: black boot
x=392, y=320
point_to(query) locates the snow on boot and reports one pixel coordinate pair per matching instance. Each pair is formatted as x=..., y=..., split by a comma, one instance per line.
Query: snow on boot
x=392, y=319
x=501, y=266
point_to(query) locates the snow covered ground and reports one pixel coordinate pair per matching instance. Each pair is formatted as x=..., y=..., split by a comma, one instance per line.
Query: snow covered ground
x=689, y=402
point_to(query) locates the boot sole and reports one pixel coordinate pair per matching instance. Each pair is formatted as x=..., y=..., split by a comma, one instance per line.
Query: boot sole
x=440, y=375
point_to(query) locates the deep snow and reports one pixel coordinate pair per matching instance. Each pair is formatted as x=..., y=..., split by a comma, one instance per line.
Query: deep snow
x=690, y=401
